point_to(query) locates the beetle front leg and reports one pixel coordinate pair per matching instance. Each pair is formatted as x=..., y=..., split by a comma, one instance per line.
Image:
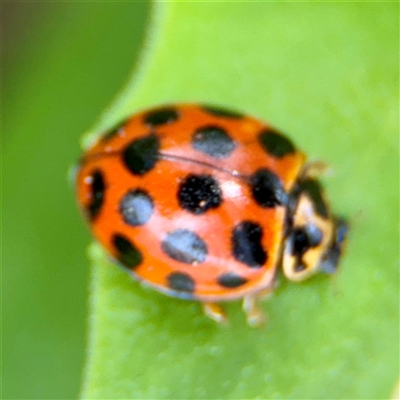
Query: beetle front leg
x=254, y=315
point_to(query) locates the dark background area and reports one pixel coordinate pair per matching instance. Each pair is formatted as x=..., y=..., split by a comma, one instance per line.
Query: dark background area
x=62, y=64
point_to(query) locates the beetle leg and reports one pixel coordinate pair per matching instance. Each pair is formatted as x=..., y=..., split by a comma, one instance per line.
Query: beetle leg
x=314, y=169
x=255, y=317
x=215, y=312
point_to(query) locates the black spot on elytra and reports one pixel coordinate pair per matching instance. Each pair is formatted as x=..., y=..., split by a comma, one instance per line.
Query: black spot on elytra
x=213, y=141
x=231, y=280
x=314, y=190
x=161, y=116
x=222, y=112
x=180, y=282
x=136, y=207
x=185, y=246
x=267, y=189
x=97, y=190
x=115, y=130
x=199, y=193
x=128, y=253
x=246, y=244
x=276, y=144
x=305, y=238
x=140, y=155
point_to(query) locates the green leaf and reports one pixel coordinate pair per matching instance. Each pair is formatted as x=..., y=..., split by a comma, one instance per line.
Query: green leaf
x=326, y=72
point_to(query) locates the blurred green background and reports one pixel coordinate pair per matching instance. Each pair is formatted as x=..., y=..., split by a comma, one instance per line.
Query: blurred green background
x=62, y=64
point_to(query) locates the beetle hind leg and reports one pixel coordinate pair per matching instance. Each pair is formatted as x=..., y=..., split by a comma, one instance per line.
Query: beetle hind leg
x=215, y=312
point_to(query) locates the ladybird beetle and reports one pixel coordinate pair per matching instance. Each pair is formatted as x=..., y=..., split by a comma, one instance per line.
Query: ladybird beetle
x=207, y=204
